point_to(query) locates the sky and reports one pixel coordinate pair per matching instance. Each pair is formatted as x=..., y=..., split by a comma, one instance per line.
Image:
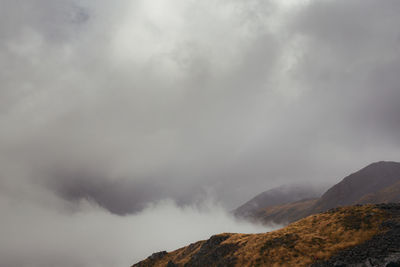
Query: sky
x=115, y=114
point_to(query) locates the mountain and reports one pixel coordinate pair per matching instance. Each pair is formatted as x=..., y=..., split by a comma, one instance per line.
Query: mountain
x=357, y=186
x=377, y=183
x=276, y=196
x=367, y=235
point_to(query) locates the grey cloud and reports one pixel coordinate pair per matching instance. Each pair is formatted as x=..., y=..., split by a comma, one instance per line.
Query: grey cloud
x=82, y=108
x=57, y=21
x=121, y=196
x=349, y=66
x=205, y=102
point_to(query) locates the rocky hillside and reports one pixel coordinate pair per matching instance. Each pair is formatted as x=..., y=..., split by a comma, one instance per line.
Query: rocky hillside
x=338, y=237
x=376, y=183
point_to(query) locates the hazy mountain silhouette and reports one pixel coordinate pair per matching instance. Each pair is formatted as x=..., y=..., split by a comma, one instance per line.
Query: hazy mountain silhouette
x=276, y=196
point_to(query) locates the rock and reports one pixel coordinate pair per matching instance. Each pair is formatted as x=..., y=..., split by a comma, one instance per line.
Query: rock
x=213, y=253
x=157, y=255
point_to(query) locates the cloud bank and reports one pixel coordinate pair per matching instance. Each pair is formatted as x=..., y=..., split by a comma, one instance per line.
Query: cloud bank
x=36, y=236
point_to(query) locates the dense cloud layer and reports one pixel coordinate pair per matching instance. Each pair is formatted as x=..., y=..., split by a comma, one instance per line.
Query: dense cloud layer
x=131, y=102
x=176, y=99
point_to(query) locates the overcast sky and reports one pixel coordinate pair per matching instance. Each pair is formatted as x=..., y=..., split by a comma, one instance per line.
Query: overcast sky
x=128, y=103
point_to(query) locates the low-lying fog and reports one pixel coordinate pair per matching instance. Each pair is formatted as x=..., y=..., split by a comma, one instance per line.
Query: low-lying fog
x=36, y=235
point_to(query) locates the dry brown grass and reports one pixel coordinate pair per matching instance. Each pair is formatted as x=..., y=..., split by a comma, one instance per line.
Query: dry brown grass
x=300, y=243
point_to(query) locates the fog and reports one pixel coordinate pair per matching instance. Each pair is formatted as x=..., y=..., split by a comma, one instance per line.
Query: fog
x=33, y=235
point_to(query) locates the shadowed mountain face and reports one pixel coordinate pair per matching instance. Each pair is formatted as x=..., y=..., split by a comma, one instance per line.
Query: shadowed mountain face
x=276, y=196
x=377, y=183
x=362, y=234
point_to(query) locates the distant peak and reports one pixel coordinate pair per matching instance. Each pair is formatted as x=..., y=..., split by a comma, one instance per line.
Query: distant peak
x=383, y=164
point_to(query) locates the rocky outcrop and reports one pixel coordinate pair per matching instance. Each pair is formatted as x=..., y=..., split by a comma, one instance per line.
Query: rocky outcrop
x=213, y=253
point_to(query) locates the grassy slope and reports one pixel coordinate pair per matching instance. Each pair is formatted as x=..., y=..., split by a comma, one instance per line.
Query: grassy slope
x=299, y=244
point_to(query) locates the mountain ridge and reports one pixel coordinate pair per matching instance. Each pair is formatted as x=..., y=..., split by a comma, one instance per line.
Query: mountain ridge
x=378, y=182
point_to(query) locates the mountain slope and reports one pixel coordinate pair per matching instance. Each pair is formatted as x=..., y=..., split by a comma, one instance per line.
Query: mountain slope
x=377, y=183
x=367, y=181
x=276, y=196
x=388, y=194
x=313, y=240
x=289, y=212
